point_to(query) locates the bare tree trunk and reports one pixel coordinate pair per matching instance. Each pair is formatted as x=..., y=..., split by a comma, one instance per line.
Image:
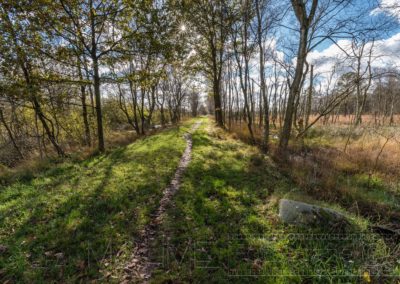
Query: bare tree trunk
x=294, y=91
x=391, y=121
x=85, y=117
x=217, y=96
x=309, y=97
x=362, y=91
x=49, y=132
x=97, y=96
x=10, y=134
x=263, y=95
x=300, y=10
x=96, y=81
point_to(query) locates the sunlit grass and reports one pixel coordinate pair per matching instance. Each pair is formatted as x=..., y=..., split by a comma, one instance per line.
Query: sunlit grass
x=227, y=211
x=67, y=222
x=76, y=221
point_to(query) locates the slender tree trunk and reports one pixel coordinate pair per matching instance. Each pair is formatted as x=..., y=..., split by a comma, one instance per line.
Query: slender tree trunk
x=162, y=115
x=85, y=116
x=217, y=99
x=263, y=95
x=10, y=134
x=309, y=97
x=96, y=80
x=294, y=91
x=142, y=118
x=97, y=96
x=133, y=92
x=299, y=7
x=50, y=133
x=391, y=120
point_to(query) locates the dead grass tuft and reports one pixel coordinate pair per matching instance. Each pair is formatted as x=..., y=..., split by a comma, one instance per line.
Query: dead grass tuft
x=364, y=178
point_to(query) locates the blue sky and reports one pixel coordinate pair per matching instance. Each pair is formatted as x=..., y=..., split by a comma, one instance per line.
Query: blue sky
x=385, y=49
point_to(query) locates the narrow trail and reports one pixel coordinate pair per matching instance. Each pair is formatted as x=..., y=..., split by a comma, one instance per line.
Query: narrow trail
x=139, y=268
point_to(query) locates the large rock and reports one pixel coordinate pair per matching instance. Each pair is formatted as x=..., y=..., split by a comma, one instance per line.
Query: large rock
x=300, y=213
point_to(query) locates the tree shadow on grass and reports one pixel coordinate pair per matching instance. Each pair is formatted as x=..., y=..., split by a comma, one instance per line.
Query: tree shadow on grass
x=218, y=231
x=71, y=228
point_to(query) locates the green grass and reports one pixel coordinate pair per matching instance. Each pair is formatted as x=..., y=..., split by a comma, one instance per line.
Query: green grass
x=373, y=190
x=69, y=222
x=224, y=226
x=76, y=221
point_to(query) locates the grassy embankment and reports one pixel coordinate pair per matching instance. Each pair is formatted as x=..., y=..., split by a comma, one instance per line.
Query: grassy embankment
x=77, y=221
x=224, y=226
x=70, y=221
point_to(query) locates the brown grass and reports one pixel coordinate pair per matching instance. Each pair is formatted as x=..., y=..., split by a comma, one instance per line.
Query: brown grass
x=367, y=147
x=320, y=166
x=366, y=119
x=120, y=138
x=372, y=149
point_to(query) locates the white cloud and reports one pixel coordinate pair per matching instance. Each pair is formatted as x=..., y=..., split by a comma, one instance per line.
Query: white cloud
x=390, y=7
x=388, y=52
x=324, y=60
x=385, y=54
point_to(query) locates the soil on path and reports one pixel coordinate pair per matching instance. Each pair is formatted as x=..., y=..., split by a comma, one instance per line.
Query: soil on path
x=139, y=268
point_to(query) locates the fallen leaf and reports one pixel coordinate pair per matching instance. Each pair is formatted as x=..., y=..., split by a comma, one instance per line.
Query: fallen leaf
x=59, y=255
x=48, y=253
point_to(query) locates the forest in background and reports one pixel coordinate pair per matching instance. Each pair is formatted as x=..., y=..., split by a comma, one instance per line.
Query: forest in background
x=74, y=73
x=294, y=99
